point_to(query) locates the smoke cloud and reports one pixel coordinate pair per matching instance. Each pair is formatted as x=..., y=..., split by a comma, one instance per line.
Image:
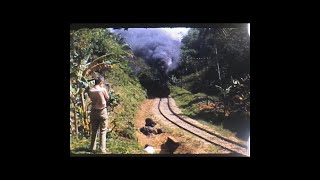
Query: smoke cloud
x=154, y=45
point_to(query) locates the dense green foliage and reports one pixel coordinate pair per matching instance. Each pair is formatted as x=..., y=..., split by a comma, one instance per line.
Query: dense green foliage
x=97, y=52
x=215, y=62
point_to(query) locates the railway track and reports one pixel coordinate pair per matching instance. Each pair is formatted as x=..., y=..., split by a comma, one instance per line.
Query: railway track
x=166, y=111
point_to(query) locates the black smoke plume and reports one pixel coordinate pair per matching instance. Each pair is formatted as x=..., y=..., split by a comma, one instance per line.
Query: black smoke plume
x=153, y=45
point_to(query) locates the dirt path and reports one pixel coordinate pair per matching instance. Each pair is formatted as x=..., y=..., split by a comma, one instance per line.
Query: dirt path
x=189, y=144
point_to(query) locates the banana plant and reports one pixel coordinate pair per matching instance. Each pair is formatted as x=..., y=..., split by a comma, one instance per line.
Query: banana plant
x=239, y=89
x=91, y=51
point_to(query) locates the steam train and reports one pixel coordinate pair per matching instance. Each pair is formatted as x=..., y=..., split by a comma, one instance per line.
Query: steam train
x=158, y=85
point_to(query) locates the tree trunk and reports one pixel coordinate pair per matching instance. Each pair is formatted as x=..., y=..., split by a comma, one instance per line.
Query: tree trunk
x=84, y=110
x=75, y=120
x=219, y=74
x=86, y=123
x=88, y=119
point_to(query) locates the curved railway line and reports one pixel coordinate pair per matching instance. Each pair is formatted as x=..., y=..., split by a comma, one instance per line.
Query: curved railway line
x=166, y=111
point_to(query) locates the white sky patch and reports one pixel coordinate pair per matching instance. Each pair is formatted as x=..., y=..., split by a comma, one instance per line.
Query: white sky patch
x=169, y=61
x=176, y=33
x=249, y=29
x=111, y=30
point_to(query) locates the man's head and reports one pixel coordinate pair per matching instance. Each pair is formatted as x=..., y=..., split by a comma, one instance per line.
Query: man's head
x=99, y=81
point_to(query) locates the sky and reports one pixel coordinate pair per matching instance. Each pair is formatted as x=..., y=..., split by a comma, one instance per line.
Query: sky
x=176, y=33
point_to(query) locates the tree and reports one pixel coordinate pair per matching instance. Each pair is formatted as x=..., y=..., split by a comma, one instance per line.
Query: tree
x=217, y=57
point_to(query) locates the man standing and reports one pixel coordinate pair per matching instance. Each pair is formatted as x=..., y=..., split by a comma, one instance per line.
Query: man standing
x=99, y=115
